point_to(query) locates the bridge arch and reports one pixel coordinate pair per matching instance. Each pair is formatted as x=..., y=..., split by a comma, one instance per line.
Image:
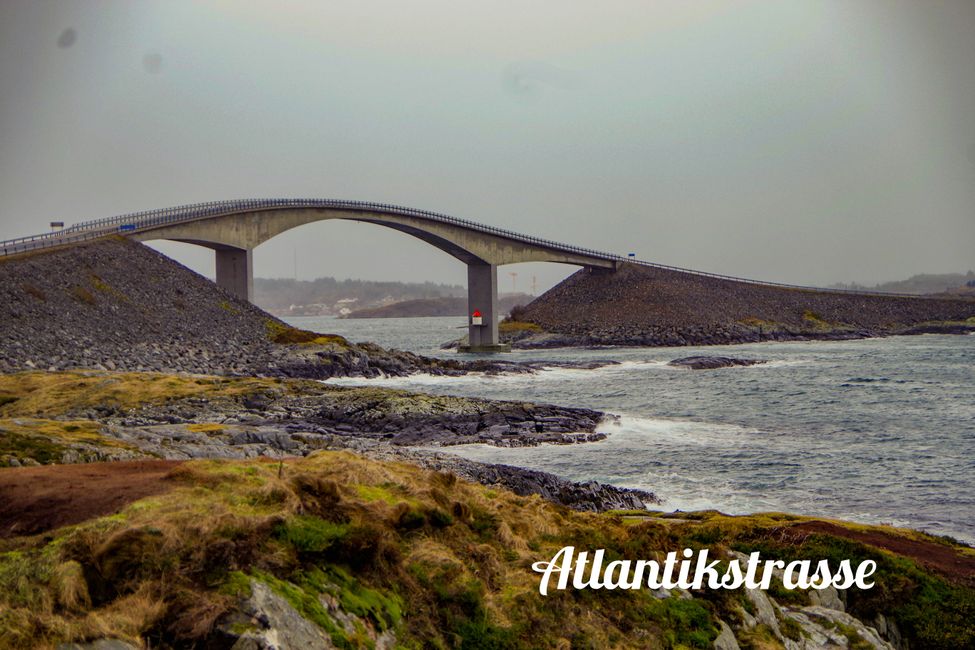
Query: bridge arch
x=234, y=231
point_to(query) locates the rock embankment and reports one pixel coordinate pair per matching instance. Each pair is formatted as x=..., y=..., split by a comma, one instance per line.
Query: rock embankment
x=119, y=305
x=649, y=306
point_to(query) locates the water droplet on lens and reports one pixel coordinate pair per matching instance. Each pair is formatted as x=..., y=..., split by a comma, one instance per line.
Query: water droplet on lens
x=152, y=62
x=67, y=38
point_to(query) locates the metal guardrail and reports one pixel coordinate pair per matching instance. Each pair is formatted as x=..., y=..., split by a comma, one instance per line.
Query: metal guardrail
x=150, y=219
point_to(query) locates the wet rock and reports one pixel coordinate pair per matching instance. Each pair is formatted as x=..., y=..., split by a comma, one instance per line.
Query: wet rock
x=590, y=496
x=828, y=598
x=711, y=363
x=828, y=628
x=726, y=638
x=273, y=624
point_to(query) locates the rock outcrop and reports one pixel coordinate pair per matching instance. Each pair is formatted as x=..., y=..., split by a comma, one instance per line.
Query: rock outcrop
x=711, y=363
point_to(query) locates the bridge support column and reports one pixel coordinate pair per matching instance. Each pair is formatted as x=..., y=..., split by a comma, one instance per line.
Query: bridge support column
x=235, y=272
x=482, y=297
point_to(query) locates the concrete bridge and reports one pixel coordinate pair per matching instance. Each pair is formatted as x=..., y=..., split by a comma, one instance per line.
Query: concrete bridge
x=234, y=228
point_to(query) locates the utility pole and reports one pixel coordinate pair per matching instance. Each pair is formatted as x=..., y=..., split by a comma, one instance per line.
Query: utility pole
x=534, y=286
x=514, y=277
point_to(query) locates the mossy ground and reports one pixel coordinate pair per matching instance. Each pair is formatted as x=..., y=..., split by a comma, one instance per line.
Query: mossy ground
x=442, y=562
x=283, y=334
x=54, y=394
x=509, y=327
x=45, y=441
x=57, y=394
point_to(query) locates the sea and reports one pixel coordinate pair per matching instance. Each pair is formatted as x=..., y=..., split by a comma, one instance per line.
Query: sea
x=878, y=431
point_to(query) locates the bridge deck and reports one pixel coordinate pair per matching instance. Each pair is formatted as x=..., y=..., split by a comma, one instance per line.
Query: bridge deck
x=139, y=222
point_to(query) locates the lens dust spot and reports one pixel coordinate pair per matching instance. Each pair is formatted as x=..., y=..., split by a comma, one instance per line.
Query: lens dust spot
x=152, y=62
x=67, y=38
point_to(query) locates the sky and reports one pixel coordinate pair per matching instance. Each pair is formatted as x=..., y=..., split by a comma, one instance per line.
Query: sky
x=809, y=141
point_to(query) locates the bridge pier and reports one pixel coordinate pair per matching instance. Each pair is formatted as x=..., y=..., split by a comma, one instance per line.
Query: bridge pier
x=235, y=272
x=482, y=297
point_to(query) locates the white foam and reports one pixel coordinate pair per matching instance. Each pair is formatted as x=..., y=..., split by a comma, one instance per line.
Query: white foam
x=546, y=373
x=668, y=430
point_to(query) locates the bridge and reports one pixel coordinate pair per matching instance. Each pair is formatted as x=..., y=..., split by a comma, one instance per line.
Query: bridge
x=234, y=228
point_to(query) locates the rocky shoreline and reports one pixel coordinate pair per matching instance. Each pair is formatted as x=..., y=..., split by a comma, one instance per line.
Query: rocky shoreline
x=244, y=418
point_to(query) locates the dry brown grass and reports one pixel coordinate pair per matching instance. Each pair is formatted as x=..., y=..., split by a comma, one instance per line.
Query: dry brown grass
x=83, y=431
x=456, y=554
x=286, y=335
x=83, y=295
x=509, y=327
x=43, y=394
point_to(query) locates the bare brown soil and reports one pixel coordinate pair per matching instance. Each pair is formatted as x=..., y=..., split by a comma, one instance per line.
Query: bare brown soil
x=35, y=500
x=939, y=558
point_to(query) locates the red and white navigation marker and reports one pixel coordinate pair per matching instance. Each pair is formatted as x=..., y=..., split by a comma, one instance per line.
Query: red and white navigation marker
x=476, y=318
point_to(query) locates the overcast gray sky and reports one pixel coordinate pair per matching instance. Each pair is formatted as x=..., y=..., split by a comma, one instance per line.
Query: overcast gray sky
x=803, y=141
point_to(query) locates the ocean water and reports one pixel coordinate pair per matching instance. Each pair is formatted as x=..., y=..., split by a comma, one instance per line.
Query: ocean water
x=876, y=431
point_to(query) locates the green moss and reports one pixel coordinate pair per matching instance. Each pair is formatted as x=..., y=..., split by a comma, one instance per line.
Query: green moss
x=384, y=609
x=439, y=518
x=686, y=623
x=929, y=611
x=24, y=447
x=378, y=493
x=790, y=629
x=310, y=534
x=467, y=583
x=236, y=584
x=283, y=334
x=229, y=308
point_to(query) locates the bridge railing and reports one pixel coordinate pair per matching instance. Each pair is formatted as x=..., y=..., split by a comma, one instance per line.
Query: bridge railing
x=148, y=219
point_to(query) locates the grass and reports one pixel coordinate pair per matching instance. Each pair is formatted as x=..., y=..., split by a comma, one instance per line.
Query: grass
x=335, y=530
x=758, y=322
x=35, y=291
x=42, y=394
x=510, y=327
x=82, y=295
x=46, y=441
x=205, y=428
x=103, y=287
x=229, y=308
x=283, y=334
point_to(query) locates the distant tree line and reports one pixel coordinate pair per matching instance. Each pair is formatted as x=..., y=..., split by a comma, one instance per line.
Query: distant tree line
x=280, y=294
x=920, y=284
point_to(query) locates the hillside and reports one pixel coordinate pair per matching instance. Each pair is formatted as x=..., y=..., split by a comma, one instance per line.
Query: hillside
x=339, y=551
x=924, y=283
x=641, y=305
x=328, y=296
x=435, y=307
x=116, y=304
